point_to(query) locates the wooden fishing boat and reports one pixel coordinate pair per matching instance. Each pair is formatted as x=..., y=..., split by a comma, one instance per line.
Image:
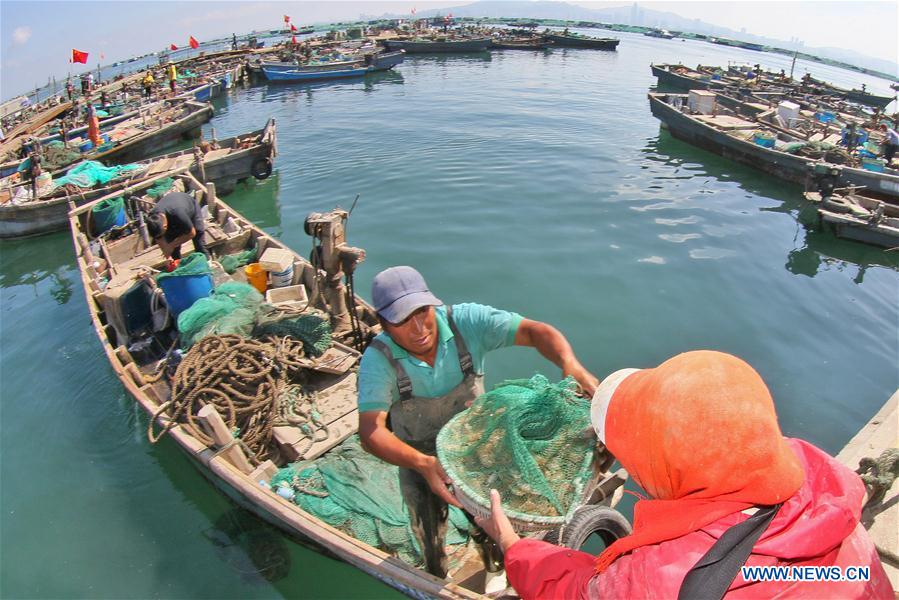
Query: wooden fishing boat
x=110, y=266
x=855, y=216
x=447, y=45
x=571, y=40
x=731, y=136
x=521, y=44
x=228, y=162
x=144, y=134
x=367, y=63
x=684, y=78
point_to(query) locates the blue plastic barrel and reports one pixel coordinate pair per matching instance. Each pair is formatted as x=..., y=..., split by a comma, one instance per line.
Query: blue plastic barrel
x=182, y=291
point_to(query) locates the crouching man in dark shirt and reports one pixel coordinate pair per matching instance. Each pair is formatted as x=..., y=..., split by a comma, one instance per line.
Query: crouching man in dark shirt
x=175, y=219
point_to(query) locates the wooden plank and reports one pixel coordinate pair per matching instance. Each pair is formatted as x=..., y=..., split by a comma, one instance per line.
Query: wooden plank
x=217, y=429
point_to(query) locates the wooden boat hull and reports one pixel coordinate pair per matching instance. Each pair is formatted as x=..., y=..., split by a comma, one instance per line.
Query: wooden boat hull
x=306, y=76
x=47, y=216
x=241, y=487
x=413, y=47
x=780, y=164
x=567, y=41
x=665, y=76
x=869, y=99
x=151, y=142
x=535, y=45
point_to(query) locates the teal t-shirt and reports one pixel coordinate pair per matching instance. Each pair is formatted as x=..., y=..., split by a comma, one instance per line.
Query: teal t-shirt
x=483, y=328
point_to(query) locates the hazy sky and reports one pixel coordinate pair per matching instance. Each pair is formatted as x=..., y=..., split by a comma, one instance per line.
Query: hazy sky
x=36, y=37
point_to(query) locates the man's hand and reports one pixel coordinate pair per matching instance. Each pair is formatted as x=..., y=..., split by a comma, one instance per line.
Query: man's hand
x=585, y=378
x=437, y=479
x=498, y=525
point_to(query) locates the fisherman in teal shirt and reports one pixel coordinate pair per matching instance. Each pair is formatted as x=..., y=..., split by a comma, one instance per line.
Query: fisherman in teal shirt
x=424, y=368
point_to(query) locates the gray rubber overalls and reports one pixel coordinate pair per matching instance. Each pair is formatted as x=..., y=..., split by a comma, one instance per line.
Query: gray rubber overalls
x=416, y=421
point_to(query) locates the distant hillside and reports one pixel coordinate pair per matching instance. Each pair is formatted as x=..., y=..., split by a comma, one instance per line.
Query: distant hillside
x=637, y=15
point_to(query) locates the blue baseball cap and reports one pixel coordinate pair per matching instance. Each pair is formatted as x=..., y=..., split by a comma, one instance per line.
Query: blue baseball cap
x=397, y=292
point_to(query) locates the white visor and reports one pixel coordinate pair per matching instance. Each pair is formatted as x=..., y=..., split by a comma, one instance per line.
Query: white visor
x=599, y=406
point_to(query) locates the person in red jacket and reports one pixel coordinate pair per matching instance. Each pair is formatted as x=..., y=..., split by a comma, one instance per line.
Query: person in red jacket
x=699, y=434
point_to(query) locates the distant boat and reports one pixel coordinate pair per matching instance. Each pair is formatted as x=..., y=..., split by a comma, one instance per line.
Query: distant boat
x=522, y=44
x=335, y=70
x=428, y=46
x=659, y=33
x=572, y=40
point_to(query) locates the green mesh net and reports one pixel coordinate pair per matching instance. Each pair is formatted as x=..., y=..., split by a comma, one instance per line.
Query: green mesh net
x=106, y=213
x=313, y=330
x=89, y=173
x=238, y=308
x=526, y=439
x=359, y=494
x=231, y=262
x=231, y=308
x=160, y=188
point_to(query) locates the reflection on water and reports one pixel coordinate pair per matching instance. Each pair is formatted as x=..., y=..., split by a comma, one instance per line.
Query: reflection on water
x=253, y=548
x=258, y=200
x=29, y=262
x=817, y=248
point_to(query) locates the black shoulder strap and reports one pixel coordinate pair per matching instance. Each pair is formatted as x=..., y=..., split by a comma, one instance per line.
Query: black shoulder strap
x=403, y=383
x=465, y=362
x=712, y=575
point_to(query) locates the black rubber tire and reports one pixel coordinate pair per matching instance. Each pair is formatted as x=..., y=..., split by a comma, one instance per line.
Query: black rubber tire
x=607, y=523
x=837, y=204
x=261, y=169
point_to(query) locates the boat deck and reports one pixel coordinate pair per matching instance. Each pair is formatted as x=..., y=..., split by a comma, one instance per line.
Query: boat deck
x=881, y=521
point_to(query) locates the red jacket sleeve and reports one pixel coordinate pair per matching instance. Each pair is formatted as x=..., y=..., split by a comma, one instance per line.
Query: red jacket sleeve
x=537, y=569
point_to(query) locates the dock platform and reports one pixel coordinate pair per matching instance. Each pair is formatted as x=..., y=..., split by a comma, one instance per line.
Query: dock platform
x=882, y=520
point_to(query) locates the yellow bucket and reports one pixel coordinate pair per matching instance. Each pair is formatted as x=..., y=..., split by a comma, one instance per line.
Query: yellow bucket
x=257, y=276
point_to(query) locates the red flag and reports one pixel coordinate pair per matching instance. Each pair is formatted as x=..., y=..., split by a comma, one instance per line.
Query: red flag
x=173, y=47
x=286, y=19
x=194, y=43
x=293, y=27
x=79, y=56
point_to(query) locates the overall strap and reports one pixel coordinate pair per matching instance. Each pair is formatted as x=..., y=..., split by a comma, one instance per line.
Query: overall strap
x=403, y=383
x=712, y=574
x=465, y=362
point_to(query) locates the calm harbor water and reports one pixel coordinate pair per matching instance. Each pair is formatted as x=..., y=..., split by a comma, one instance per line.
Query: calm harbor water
x=537, y=182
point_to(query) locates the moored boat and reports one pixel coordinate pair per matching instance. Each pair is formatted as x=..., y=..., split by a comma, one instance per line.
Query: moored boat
x=853, y=215
x=225, y=163
x=111, y=271
x=521, y=44
x=448, y=45
x=573, y=40
x=140, y=136
x=723, y=132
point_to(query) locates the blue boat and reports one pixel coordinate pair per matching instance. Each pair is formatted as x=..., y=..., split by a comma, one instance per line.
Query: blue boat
x=302, y=74
x=333, y=70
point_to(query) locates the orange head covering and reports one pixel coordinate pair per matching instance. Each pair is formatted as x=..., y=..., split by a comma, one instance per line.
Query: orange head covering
x=700, y=435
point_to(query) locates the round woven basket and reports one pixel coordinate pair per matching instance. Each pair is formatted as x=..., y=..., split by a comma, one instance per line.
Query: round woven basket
x=479, y=506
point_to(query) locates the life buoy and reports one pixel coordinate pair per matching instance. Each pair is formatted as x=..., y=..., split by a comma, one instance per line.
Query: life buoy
x=261, y=169
x=607, y=523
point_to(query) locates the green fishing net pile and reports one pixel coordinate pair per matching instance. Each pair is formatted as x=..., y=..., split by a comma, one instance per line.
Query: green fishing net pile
x=525, y=438
x=160, y=188
x=231, y=262
x=231, y=308
x=238, y=308
x=89, y=173
x=359, y=494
